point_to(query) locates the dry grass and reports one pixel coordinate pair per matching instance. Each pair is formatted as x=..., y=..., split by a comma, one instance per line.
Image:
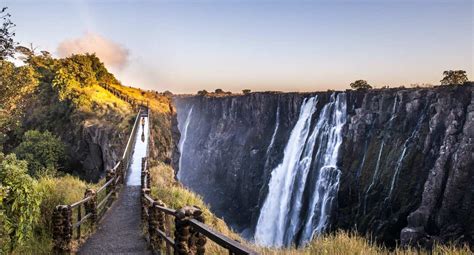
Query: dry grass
x=174, y=195
x=158, y=102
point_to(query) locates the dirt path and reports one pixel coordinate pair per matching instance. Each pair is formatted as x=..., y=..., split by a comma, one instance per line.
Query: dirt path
x=119, y=231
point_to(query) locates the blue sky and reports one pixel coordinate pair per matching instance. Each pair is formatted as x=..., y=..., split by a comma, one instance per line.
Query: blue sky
x=184, y=46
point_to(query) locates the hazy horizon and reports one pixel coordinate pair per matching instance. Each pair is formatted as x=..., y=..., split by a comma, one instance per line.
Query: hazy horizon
x=186, y=46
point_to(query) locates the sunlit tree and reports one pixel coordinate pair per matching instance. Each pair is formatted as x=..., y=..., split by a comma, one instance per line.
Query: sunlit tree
x=7, y=44
x=451, y=77
x=360, y=84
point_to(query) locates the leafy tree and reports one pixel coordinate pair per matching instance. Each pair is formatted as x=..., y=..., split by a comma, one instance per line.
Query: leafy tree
x=246, y=91
x=451, y=77
x=202, y=92
x=360, y=84
x=17, y=85
x=219, y=91
x=7, y=44
x=42, y=151
x=20, y=205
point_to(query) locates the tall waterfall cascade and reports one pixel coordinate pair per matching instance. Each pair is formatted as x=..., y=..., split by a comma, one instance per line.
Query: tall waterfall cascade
x=307, y=177
x=182, y=141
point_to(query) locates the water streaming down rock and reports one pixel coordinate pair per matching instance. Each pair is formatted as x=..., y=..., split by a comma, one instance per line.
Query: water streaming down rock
x=326, y=161
x=407, y=143
x=233, y=145
x=184, y=131
x=284, y=203
x=271, y=225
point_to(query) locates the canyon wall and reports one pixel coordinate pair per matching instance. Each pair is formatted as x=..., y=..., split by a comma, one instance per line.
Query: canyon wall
x=393, y=162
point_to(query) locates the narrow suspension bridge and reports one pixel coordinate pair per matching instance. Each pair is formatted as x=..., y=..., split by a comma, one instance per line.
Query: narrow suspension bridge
x=119, y=210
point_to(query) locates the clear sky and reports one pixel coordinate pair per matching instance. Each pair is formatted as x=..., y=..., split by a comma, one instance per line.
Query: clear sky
x=185, y=46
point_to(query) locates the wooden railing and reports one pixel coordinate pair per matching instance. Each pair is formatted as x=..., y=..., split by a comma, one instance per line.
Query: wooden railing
x=67, y=218
x=190, y=234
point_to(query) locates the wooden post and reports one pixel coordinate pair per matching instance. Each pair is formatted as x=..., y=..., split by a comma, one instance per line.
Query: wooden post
x=62, y=229
x=187, y=240
x=145, y=191
x=91, y=205
x=111, y=187
x=153, y=223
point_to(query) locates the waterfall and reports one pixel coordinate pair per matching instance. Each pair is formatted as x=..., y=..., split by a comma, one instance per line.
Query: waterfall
x=271, y=222
x=325, y=191
x=184, y=133
x=403, y=154
x=374, y=177
x=277, y=125
x=281, y=217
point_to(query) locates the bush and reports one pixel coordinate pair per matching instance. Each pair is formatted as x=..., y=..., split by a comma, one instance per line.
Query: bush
x=219, y=91
x=202, y=92
x=360, y=84
x=20, y=202
x=246, y=91
x=42, y=151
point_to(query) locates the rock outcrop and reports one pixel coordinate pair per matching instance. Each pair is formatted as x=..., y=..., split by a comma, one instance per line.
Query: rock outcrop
x=406, y=159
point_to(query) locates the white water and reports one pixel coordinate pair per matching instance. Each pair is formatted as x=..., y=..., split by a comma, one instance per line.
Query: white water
x=184, y=133
x=327, y=185
x=402, y=156
x=277, y=125
x=271, y=225
x=139, y=151
x=281, y=217
x=374, y=177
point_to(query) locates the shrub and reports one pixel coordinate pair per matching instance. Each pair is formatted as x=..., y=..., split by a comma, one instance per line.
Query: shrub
x=20, y=202
x=451, y=77
x=219, y=91
x=42, y=151
x=202, y=92
x=246, y=91
x=360, y=84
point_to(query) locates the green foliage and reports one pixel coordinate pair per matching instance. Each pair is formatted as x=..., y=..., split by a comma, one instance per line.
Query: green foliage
x=360, y=84
x=202, y=92
x=246, y=91
x=451, y=77
x=219, y=91
x=7, y=45
x=20, y=205
x=42, y=151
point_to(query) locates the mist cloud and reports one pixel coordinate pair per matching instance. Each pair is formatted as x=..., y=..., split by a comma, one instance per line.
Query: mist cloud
x=111, y=53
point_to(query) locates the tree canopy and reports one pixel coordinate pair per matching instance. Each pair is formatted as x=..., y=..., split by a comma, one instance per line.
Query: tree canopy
x=42, y=151
x=456, y=77
x=19, y=209
x=7, y=44
x=360, y=84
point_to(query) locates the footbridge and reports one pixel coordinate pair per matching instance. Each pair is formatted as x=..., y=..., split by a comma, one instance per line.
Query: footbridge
x=122, y=217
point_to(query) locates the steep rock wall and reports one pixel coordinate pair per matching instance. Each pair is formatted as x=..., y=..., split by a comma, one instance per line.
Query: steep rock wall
x=406, y=160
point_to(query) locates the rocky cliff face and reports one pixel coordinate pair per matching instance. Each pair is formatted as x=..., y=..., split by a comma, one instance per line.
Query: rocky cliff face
x=404, y=167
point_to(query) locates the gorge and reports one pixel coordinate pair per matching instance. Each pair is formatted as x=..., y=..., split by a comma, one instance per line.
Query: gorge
x=281, y=168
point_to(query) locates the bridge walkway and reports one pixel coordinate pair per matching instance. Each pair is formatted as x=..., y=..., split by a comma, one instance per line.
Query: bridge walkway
x=120, y=231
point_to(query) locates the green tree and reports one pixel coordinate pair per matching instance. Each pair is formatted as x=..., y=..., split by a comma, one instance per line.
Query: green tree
x=360, y=84
x=246, y=91
x=42, y=151
x=17, y=85
x=7, y=44
x=202, y=92
x=456, y=77
x=20, y=205
x=219, y=91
